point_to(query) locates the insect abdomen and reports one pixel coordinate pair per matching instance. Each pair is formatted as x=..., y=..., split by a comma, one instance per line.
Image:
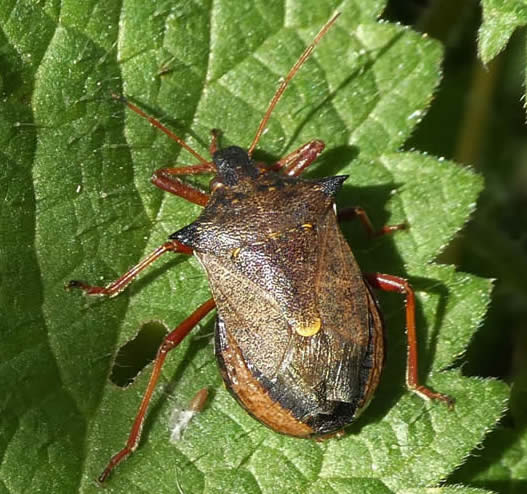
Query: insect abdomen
x=288, y=410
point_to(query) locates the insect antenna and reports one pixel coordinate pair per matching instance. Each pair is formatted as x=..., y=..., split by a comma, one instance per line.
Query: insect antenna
x=160, y=126
x=288, y=77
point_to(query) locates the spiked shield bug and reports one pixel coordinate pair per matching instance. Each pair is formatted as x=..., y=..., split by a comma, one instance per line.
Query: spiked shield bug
x=299, y=336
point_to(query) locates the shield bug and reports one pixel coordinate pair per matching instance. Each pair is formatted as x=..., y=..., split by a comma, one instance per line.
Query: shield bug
x=299, y=336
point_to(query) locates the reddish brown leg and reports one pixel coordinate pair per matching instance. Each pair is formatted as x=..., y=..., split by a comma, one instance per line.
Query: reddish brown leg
x=390, y=283
x=122, y=282
x=171, y=341
x=164, y=179
x=188, y=170
x=347, y=214
x=296, y=162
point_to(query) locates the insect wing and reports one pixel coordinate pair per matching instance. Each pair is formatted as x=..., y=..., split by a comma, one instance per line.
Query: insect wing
x=308, y=375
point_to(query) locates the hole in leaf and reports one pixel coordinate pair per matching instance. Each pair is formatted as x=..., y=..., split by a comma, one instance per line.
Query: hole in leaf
x=136, y=354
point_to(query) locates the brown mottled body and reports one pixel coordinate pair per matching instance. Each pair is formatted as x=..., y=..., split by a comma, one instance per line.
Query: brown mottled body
x=277, y=263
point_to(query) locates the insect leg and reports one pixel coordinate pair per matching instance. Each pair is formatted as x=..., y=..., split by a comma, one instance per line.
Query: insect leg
x=351, y=213
x=389, y=283
x=171, y=341
x=121, y=283
x=296, y=162
x=164, y=179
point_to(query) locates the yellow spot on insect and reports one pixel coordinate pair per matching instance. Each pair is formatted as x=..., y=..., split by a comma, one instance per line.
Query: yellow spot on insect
x=309, y=329
x=271, y=188
x=216, y=184
x=235, y=253
x=307, y=226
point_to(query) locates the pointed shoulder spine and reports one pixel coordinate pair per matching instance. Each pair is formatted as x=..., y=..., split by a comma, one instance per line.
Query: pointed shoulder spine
x=331, y=185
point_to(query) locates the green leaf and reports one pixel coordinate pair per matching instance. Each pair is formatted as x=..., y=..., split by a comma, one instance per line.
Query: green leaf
x=501, y=462
x=456, y=489
x=77, y=204
x=500, y=19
